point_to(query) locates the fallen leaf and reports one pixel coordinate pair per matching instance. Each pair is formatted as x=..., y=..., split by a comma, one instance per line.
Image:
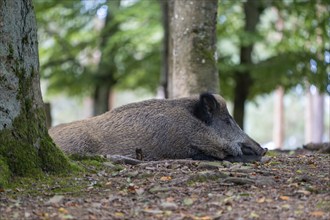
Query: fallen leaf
x=170, y=199
x=188, y=201
x=169, y=205
x=317, y=213
x=286, y=206
x=166, y=178
x=68, y=217
x=139, y=191
x=63, y=210
x=55, y=199
x=153, y=211
x=119, y=214
x=285, y=198
x=305, y=192
x=132, y=188
x=253, y=215
x=261, y=200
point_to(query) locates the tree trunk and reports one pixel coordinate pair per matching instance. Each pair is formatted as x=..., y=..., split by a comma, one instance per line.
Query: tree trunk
x=318, y=115
x=25, y=146
x=193, y=47
x=165, y=54
x=278, y=129
x=105, y=79
x=308, y=116
x=314, y=116
x=101, y=99
x=243, y=79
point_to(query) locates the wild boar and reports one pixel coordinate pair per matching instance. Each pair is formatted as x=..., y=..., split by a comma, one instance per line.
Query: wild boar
x=199, y=128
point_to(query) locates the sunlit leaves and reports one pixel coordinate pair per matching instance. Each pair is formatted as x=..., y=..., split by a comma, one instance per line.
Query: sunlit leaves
x=77, y=51
x=290, y=45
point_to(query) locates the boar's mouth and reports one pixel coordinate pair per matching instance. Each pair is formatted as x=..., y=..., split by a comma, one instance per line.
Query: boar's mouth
x=243, y=158
x=249, y=155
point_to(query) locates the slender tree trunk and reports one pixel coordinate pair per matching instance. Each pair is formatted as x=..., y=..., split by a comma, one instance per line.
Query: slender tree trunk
x=193, y=47
x=252, y=10
x=101, y=99
x=105, y=79
x=318, y=115
x=278, y=129
x=314, y=117
x=25, y=146
x=165, y=50
x=308, y=116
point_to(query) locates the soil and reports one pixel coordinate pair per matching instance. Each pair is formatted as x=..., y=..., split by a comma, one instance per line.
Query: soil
x=285, y=185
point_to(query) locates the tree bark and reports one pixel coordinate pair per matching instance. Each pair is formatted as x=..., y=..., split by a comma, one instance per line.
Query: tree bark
x=101, y=99
x=166, y=7
x=193, y=48
x=314, y=116
x=25, y=146
x=308, y=116
x=318, y=113
x=105, y=76
x=243, y=79
x=278, y=129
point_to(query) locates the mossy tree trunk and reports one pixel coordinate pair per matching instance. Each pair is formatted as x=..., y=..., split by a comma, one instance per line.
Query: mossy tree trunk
x=25, y=146
x=193, y=47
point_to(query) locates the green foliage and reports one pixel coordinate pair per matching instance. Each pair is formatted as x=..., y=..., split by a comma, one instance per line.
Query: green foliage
x=289, y=45
x=88, y=43
x=78, y=52
x=4, y=172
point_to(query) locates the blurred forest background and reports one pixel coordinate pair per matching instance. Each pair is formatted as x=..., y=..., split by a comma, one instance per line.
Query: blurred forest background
x=98, y=54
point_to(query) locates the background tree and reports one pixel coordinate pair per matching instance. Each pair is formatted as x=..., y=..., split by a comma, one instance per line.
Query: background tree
x=105, y=73
x=289, y=47
x=25, y=147
x=92, y=47
x=192, y=33
x=242, y=76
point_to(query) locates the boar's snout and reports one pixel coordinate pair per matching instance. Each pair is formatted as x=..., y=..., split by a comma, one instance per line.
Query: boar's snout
x=253, y=149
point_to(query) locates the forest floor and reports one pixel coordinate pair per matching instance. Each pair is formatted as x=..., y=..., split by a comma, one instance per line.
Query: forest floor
x=293, y=185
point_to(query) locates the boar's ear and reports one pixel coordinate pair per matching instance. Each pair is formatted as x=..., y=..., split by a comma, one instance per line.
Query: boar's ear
x=205, y=107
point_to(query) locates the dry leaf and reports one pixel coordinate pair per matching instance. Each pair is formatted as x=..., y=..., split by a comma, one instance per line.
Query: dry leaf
x=153, y=211
x=166, y=178
x=253, y=215
x=305, y=192
x=170, y=199
x=285, y=198
x=286, y=206
x=261, y=200
x=203, y=218
x=188, y=201
x=63, y=210
x=317, y=213
x=119, y=214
